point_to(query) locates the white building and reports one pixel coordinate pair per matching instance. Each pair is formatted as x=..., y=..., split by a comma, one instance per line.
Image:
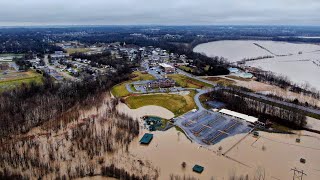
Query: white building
x=167, y=68
x=245, y=117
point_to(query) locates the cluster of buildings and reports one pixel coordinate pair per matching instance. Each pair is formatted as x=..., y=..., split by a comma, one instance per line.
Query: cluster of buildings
x=58, y=55
x=156, y=56
x=166, y=68
x=161, y=83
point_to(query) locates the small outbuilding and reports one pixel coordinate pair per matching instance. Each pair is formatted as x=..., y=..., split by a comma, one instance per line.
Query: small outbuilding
x=198, y=169
x=146, y=139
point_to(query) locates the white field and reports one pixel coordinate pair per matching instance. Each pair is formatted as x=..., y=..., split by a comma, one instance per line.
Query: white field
x=300, y=68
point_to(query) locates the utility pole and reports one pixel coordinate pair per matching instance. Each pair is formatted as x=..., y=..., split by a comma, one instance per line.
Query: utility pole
x=297, y=174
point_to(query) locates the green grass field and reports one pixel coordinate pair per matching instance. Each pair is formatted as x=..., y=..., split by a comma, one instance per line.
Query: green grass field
x=15, y=79
x=222, y=81
x=185, y=68
x=188, y=82
x=175, y=103
x=138, y=76
x=120, y=90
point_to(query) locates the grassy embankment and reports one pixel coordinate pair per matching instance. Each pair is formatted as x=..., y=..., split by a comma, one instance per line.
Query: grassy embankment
x=187, y=69
x=222, y=81
x=175, y=103
x=120, y=90
x=188, y=82
x=15, y=79
x=239, y=78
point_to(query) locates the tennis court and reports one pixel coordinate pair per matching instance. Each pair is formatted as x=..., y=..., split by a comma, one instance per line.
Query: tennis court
x=208, y=127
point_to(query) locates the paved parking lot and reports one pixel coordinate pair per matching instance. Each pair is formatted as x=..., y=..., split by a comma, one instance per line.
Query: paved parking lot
x=208, y=128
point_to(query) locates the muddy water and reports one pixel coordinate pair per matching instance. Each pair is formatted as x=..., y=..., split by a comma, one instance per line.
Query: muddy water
x=275, y=154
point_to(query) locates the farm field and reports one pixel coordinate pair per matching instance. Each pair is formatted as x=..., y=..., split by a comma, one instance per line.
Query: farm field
x=13, y=79
x=288, y=58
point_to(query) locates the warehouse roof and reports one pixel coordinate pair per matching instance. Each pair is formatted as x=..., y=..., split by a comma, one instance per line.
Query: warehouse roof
x=165, y=65
x=239, y=115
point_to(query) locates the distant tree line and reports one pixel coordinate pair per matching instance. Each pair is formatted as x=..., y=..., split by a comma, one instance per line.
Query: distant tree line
x=263, y=110
x=244, y=60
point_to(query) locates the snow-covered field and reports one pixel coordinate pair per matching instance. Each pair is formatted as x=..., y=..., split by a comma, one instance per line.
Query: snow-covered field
x=300, y=62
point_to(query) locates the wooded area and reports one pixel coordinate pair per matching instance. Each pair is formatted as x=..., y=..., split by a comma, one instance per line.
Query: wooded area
x=263, y=110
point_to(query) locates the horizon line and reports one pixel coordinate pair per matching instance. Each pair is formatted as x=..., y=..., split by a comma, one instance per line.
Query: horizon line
x=153, y=25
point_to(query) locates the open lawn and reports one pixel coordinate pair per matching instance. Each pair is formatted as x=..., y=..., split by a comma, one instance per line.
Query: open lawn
x=185, y=68
x=222, y=81
x=188, y=82
x=14, y=79
x=138, y=76
x=120, y=90
x=175, y=103
x=77, y=50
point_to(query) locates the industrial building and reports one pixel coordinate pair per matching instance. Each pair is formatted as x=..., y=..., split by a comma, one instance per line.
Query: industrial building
x=168, y=69
x=245, y=117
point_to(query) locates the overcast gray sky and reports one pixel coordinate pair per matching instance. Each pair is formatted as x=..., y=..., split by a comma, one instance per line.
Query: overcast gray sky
x=162, y=12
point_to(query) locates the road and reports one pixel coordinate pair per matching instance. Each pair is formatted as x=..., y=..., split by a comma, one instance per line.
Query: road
x=64, y=74
x=263, y=97
x=197, y=97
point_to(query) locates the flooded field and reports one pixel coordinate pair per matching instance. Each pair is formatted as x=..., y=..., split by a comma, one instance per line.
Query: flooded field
x=272, y=154
x=287, y=58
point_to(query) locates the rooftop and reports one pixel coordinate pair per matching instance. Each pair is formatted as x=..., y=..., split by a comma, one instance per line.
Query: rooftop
x=146, y=139
x=165, y=65
x=239, y=115
x=197, y=168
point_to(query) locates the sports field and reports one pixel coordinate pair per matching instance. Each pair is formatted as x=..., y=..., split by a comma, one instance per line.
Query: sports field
x=207, y=128
x=177, y=104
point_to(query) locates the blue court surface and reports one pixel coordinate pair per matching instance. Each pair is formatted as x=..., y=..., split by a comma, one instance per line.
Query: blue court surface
x=208, y=128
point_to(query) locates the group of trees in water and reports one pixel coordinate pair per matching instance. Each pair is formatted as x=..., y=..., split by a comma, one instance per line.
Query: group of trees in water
x=285, y=83
x=80, y=148
x=31, y=105
x=255, y=107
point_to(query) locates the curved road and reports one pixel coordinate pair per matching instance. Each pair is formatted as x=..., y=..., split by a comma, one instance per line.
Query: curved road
x=263, y=97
